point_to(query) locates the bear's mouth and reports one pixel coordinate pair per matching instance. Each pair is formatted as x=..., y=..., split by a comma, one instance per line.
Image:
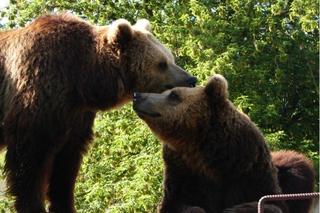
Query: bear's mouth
x=144, y=113
x=189, y=84
x=168, y=86
x=192, y=85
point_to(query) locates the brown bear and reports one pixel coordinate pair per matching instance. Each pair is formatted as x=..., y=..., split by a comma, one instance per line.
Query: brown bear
x=216, y=159
x=55, y=74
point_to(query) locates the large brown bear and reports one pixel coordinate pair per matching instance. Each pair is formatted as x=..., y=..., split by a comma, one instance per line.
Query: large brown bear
x=55, y=74
x=216, y=159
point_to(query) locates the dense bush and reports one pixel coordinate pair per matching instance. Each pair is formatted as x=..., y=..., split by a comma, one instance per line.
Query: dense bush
x=123, y=170
x=268, y=51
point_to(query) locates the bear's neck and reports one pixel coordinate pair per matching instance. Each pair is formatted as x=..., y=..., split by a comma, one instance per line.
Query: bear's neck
x=109, y=83
x=188, y=146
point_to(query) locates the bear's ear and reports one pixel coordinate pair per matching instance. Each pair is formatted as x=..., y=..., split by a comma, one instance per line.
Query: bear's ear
x=143, y=24
x=120, y=32
x=217, y=88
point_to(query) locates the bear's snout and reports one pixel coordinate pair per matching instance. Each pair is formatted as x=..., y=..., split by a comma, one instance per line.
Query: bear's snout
x=136, y=96
x=145, y=105
x=192, y=81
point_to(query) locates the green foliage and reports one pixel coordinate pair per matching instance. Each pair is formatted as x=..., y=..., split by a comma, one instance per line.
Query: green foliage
x=121, y=172
x=268, y=51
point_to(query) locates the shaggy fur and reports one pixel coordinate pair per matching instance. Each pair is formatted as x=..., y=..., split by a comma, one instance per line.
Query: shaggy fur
x=216, y=159
x=296, y=175
x=54, y=75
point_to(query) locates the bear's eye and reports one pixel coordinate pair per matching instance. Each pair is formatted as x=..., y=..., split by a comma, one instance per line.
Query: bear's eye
x=174, y=96
x=163, y=65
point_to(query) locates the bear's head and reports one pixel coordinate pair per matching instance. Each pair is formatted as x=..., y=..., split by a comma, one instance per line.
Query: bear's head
x=182, y=113
x=204, y=126
x=149, y=64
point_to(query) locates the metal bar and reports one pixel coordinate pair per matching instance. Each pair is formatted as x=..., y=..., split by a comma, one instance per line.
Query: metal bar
x=299, y=196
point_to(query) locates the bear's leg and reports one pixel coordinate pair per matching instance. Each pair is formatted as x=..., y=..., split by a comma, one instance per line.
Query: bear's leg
x=62, y=181
x=66, y=166
x=177, y=181
x=27, y=165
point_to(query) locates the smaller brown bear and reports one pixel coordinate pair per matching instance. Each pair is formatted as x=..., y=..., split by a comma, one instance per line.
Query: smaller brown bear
x=216, y=159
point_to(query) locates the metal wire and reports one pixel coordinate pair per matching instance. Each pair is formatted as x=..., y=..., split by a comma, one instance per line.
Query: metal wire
x=299, y=196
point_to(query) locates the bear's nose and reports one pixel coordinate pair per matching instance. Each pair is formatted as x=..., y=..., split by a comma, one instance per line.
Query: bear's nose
x=192, y=81
x=136, y=96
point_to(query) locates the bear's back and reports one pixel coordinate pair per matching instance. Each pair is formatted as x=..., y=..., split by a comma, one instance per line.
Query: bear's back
x=47, y=36
x=52, y=46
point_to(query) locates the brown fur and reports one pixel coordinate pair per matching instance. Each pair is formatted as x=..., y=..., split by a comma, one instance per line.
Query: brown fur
x=54, y=75
x=216, y=159
x=296, y=175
